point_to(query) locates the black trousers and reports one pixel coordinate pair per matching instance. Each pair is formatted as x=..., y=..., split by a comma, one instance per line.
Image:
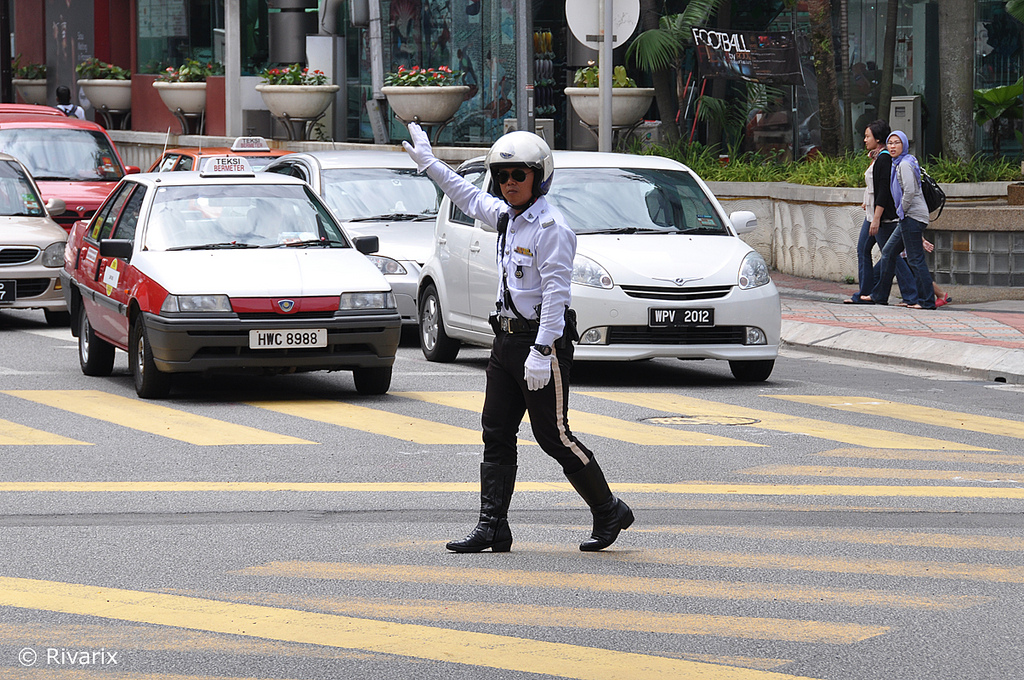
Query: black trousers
x=507, y=399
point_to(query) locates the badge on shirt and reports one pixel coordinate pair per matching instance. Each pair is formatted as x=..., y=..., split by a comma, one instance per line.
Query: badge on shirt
x=522, y=250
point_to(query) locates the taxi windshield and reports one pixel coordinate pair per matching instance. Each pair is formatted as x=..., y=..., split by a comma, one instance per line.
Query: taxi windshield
x=634, y=200
x=239, y=215
x=380, y=193
x=63, y=154
x=17, y=196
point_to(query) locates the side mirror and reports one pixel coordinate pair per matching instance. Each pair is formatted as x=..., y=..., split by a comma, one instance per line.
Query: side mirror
x=743, y=221
x=55, y=206
x=120, y=248
x=367, y=245
x=132, y=169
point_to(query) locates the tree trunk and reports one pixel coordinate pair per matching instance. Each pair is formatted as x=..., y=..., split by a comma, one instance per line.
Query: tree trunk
x=664, y=90
x=820, y=14
x=888, y=59
x=956, y=64
x=844, y=37
x=719, y=86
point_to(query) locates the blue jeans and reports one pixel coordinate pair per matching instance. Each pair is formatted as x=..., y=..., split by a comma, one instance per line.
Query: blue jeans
x=909, y=234
x=868, y=273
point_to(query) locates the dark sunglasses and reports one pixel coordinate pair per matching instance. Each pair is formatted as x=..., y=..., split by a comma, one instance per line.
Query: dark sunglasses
x=518, y=175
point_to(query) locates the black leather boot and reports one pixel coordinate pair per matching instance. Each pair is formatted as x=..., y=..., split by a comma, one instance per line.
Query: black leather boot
x=492, y=531
x=610, y=514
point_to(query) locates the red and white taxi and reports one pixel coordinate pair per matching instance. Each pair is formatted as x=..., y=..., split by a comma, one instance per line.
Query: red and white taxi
x=226, y=270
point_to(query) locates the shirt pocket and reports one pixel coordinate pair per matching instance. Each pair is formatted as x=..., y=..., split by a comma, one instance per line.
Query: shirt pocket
x=523, y=275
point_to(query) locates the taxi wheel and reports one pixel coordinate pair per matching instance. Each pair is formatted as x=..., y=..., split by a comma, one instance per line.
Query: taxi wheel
x=752, y=371
x=150, y=383
x=372, y=380
x=96, y=356
x=434, y=342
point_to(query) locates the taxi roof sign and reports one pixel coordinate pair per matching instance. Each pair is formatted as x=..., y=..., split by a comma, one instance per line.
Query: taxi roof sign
x=250, y=144
x=226, y=166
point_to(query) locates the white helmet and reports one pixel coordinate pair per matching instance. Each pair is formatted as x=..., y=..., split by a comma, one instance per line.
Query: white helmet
x=522, y=148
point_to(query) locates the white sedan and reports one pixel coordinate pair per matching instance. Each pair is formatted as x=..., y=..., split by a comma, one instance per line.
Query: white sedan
x=660, y=270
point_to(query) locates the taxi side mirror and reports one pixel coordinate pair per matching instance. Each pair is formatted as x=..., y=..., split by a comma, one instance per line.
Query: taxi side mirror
x=120, y=248
x=367, y=245
x=55, y=206
x=132, y=169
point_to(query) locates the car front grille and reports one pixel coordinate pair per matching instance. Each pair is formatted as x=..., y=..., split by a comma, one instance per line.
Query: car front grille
x=27, y=288
x=273, y=316
x=644, y=335
x=10, y=256
x=676, y=294
x=68, y=218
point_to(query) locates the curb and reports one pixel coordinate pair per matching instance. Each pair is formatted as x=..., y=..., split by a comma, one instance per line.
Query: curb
x=978, y=362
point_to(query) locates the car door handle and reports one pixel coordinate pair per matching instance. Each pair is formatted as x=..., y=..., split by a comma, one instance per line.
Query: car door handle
x=475, y=248
x=442, y=240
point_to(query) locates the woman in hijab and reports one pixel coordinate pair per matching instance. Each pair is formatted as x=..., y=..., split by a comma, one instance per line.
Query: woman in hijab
x=913, y=215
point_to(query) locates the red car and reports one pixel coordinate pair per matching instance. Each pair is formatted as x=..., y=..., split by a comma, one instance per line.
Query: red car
x=71, y=159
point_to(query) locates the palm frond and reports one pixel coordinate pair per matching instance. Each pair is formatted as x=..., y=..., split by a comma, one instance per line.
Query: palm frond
x=655, y=49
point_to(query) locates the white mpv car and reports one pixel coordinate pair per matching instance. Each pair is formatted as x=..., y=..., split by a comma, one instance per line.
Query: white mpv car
x=660, y=270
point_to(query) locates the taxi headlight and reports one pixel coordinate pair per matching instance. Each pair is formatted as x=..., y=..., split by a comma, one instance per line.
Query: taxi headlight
x=191, y=304
x=586, y=272
x=387, y=266
x=360, y=301
x=53, y=256
x=754, y=272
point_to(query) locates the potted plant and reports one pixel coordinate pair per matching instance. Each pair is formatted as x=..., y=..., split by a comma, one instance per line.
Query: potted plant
x=629, y=102
x=30, y=79
x=106, y=86
x=294, y=92
x=183, y=89
x=430, y=96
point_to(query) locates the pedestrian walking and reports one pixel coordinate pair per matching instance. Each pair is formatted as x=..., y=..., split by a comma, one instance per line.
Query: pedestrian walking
x=65, y=105
x=531, y=357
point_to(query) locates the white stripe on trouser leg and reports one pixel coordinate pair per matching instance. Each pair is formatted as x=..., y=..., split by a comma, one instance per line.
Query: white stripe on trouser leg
x=556, y=376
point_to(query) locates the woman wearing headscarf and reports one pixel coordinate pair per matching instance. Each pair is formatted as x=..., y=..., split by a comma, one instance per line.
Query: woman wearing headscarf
x=913, y=215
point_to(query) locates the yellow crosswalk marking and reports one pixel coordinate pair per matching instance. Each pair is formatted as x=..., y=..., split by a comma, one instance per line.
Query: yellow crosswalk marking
x=610, y=583
x=592, y=423
x=375, y=421
x=13, y=434
x=153, y=418
x=747, y=627
x=848, y=434
x=931, y=456
x=415, y=641
x=883, y=473
x=915, y=414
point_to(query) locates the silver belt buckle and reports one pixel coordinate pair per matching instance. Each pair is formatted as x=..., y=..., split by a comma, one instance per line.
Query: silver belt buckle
x=506, y=324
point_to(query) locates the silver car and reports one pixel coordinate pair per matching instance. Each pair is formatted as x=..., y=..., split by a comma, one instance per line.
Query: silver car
x=376, y=193
x=31, y=245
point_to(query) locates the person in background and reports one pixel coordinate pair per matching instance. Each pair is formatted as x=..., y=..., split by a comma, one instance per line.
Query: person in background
x=531, y=357
x=64, y=103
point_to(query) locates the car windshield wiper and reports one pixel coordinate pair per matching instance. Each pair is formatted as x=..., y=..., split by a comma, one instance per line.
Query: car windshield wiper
x=702, y=230
x=396, y=217
x=215, y=246
x=629, y=230
x=322, y=242
x=54, y=178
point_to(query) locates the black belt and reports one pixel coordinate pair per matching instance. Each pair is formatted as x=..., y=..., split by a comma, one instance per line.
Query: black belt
x=510, y=325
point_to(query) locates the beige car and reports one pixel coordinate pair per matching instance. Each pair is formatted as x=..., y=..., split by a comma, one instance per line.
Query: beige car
x=31, y=245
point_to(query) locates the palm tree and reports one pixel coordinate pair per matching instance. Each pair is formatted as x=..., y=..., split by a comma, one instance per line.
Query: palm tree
x=956, y=63
x=820, y=13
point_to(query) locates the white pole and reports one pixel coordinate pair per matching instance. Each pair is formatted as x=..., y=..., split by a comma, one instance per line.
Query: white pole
x=232, y=68
x=605, y=69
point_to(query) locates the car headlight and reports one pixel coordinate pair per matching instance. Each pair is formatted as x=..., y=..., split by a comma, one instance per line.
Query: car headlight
x=754, y=272
x=53, y=256
x=387, y=266
x=586, y=272
x=360, y=301
x=192, y=304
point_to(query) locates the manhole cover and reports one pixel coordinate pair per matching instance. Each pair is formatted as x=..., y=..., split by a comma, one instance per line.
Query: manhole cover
x=702, y=420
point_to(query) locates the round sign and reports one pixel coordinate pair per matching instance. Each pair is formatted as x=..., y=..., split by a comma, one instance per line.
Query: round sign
x=586, y=21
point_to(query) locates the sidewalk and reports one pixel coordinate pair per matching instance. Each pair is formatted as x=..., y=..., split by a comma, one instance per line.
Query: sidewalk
x=979, y=336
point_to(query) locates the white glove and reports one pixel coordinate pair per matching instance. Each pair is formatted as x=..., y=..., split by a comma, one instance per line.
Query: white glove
x=538, y=369
x=421, y=153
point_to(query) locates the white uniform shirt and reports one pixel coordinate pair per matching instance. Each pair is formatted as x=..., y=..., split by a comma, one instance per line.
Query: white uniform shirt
x=539, y=246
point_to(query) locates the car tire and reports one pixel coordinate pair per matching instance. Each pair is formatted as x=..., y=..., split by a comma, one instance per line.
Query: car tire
x=150, y=382
x=434, y=342
x=372, y=380
x=57, y=318
x=752, y=371
x=95, y=356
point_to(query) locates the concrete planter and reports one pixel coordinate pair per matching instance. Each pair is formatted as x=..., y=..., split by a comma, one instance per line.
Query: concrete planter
x=184, y=97
x=629, y=104
x=116, y=95
x=32, y=91
x=297, y=101
x=431, y=104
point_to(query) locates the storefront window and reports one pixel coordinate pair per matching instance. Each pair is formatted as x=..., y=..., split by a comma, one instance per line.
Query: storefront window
x=171, y=31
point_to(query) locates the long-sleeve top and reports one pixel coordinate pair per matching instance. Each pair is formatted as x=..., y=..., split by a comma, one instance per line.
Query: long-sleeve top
x=535, y=264
x=913, y=202
x=881, y=171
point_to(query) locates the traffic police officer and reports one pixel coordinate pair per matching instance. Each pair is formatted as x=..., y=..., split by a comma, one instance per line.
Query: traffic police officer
x=531, y=357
